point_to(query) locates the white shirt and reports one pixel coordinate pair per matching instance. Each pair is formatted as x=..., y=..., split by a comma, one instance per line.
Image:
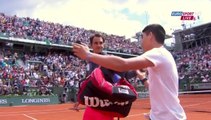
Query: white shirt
x=163, y=86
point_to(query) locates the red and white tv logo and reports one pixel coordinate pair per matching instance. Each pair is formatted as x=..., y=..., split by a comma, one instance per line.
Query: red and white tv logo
x=187, y=16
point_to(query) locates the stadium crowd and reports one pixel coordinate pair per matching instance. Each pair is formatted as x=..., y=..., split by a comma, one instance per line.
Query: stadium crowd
x=27, y=70
x=194, y=64
x=35, y=29
x=21, y=70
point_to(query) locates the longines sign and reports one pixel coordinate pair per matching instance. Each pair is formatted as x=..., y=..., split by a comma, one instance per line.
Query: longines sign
x=36, y=100
x=26, y=100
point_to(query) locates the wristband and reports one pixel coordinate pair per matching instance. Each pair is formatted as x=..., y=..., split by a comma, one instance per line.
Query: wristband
x=88, y=56
x=143, y=80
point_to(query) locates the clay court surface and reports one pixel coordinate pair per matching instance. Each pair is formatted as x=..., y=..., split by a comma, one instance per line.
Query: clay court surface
x=197, y=107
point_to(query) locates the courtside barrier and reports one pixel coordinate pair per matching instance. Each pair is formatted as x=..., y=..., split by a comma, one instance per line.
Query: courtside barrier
x=28, y=100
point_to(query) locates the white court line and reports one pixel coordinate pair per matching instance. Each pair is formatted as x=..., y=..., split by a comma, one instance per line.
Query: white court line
x=29, y=117
x=20, y=106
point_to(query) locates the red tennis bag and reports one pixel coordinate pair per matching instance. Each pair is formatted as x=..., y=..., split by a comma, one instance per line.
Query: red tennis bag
x=96, y=92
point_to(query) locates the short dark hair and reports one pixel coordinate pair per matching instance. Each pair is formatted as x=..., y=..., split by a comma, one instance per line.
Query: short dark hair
x=157, y=30
x=96, y=35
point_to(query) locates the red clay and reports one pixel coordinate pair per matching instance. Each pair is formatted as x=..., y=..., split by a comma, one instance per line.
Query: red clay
x=197, y=107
